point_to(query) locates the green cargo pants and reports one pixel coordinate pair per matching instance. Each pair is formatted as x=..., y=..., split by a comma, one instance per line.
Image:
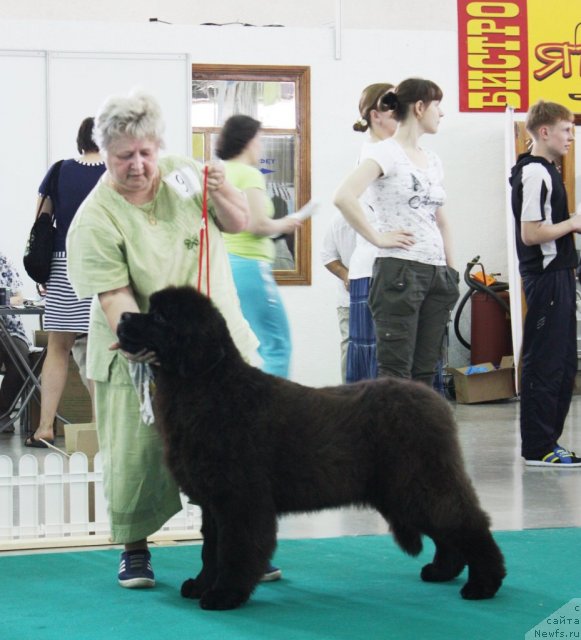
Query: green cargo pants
x=411, y=304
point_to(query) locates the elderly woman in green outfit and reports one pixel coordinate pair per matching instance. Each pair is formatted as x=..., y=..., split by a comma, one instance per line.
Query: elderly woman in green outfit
x=138, y=232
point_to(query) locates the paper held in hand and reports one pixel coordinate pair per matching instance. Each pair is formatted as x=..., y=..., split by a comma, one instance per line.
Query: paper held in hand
x=307, y=211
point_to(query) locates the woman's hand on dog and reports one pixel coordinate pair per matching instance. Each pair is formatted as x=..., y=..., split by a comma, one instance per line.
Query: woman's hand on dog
x=144, y=356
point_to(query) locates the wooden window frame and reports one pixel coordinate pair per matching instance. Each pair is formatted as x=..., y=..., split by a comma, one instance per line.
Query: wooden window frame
x=301, y=77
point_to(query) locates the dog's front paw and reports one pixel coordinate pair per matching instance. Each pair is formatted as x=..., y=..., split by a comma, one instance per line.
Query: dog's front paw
x=192, y=589
x=222, y=599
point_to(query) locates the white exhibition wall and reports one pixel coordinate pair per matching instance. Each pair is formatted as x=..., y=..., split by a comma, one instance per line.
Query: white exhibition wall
x=23, y=132
x=471, y=145
x=48, y=94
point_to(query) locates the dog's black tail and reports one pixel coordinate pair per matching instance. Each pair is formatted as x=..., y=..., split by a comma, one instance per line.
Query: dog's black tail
x=408, y=538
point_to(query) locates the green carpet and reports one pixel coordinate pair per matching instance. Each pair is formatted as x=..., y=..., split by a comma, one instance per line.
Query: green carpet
x=342, y=588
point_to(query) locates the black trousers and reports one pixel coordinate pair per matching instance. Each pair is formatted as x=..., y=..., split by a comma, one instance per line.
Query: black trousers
x=549, y=361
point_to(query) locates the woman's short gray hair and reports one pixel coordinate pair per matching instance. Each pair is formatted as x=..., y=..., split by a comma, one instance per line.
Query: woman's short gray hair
x=137, y=115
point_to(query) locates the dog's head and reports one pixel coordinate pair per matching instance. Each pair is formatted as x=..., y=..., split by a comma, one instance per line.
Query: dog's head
x=184, y=329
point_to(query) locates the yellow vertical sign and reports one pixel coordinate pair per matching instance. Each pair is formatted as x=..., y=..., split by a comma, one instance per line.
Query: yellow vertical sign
x=554, y=38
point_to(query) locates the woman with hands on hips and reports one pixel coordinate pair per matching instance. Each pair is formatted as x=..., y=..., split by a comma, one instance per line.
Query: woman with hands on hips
x=414, y=285
x=138, y=232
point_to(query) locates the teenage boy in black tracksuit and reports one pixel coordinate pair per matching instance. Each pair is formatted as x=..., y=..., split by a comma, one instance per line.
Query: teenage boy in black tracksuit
x=547, y=260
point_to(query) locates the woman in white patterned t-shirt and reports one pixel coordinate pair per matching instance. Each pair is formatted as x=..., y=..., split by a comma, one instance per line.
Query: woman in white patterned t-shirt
x=414, y=285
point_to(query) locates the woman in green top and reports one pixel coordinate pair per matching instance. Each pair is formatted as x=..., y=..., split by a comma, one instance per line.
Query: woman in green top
x=252, y=252
x=137, y=232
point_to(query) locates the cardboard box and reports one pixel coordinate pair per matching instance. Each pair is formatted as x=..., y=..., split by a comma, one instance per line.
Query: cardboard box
x=82, y=437
x=491, y=384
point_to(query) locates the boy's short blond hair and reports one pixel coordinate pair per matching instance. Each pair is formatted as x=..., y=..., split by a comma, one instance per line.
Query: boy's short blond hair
x=546, y=113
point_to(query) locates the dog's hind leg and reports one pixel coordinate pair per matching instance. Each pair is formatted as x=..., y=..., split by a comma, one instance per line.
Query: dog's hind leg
x=246, y=537
x=447, y=564
x=194, y=587
x=465, y=540
x=485, y=562
x=406, y=534
x=461, y=530
x=407, y=537
x=470, y=543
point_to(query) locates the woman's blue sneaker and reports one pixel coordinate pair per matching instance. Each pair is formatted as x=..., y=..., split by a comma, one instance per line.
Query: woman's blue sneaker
x=271, y=574
x=135, y=570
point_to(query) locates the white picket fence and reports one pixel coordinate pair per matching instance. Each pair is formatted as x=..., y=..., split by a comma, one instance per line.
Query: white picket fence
x=63, y=502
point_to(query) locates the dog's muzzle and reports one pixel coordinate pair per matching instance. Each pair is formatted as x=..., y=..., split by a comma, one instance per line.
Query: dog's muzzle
x=130, y=339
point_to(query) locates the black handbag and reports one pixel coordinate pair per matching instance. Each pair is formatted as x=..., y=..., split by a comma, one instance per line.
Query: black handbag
x=39, y=248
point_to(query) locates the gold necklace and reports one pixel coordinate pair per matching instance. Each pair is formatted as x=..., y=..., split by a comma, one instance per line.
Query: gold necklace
x=149, y=208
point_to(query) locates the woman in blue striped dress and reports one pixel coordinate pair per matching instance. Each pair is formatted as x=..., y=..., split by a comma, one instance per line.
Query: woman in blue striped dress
x=66, y=317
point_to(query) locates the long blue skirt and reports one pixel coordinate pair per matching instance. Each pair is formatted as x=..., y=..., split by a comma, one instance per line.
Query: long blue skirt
x=361, y=350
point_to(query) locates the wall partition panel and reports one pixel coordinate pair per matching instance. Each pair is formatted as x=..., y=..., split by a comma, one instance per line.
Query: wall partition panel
x=79, y=82
x=45, y=96
x=23, y=132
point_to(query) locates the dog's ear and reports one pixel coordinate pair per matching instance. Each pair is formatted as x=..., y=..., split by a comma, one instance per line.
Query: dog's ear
x=193, y=336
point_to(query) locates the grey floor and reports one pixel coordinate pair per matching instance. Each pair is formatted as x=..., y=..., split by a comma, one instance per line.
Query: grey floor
x=515, y=497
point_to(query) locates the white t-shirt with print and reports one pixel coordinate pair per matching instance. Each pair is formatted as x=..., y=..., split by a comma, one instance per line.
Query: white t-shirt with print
x=365, y=253
x=407, y=197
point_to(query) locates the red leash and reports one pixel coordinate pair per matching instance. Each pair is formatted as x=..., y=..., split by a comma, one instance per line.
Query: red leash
x=204, y=238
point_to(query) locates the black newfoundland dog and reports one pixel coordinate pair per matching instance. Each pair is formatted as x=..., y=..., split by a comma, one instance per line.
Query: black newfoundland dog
x=247, y=447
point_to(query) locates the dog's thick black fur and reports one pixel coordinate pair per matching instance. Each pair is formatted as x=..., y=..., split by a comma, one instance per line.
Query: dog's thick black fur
x=247, y=447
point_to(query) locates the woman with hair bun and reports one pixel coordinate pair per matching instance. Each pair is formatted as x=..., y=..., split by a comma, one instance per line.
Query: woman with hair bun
x=372, y=112
x=377, y=120
x=414, y=285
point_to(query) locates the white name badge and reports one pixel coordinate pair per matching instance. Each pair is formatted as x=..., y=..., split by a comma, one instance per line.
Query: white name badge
x=184, y=182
